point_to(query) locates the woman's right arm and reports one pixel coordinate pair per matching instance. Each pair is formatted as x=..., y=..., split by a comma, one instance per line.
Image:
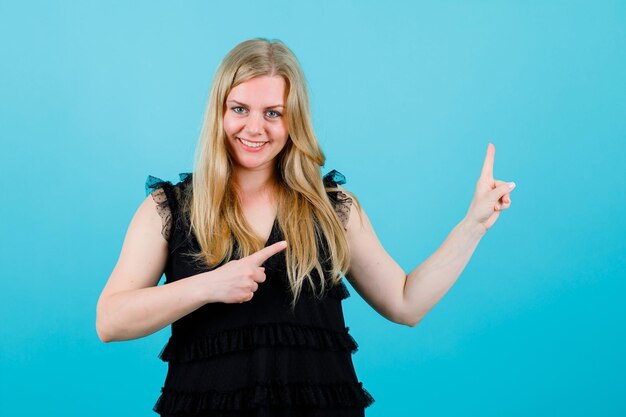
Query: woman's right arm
x=131, y=304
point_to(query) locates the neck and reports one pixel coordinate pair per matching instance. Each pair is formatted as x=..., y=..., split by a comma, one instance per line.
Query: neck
x=254, y=182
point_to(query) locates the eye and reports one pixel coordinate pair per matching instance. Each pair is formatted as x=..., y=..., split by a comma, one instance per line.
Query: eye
x=277, y=114
x=237, y=108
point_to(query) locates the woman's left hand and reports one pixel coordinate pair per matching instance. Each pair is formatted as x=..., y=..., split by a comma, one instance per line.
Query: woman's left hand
x=491, y=196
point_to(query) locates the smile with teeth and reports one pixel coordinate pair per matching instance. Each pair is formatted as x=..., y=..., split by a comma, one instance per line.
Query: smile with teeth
x=251, y=144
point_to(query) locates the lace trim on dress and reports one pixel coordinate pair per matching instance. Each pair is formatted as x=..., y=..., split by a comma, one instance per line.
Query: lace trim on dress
x=339, y=291
x=303, y=394
x=340, y=200
x=183, y=349
x=167, y=196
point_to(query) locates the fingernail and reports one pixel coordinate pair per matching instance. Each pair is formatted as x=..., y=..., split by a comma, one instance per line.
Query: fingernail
x=511, y=185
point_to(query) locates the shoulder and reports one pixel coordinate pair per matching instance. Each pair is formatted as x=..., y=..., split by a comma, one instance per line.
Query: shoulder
x=166, y=199
x=355, y=214
x=166, y=193
x=155, y=185
x=344, y=201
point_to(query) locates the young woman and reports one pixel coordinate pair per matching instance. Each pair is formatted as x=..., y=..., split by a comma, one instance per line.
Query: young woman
x=254, y=244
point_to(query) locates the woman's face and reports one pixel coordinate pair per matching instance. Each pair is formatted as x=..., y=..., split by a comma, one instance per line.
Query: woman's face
x=254, y=122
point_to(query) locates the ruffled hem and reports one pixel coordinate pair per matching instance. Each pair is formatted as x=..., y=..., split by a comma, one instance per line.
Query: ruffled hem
x=244, y=338
x=154, y=183
x=339, y=291
x=303, y=394
x=333, y=178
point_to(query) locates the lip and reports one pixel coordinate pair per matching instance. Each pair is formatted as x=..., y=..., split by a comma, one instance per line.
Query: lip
x=253, y=141
x=250, y=148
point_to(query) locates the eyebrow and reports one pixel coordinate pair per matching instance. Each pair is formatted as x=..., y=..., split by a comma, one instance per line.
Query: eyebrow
x=242, y=104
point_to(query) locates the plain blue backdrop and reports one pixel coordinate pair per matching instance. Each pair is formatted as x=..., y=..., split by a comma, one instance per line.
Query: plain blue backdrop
x=95, y=96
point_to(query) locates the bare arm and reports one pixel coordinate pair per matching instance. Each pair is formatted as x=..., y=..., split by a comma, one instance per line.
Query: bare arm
x=432, y=279
x=384, y=284
x=131, y=305
x=407, y=299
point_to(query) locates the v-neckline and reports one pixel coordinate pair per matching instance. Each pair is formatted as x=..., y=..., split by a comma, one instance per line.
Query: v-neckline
x=269, y=238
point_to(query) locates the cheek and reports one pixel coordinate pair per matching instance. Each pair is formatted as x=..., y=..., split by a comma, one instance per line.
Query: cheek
x=230, y=125
x=280, y=132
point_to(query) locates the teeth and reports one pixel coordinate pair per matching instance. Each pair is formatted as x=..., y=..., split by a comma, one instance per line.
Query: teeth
x=252, y=144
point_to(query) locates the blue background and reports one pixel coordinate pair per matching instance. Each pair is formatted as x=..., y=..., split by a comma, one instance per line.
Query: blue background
x=97, y=95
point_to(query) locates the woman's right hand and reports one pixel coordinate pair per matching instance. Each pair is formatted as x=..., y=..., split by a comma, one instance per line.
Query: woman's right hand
x=237, y=280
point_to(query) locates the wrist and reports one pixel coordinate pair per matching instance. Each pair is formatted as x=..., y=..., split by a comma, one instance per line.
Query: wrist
x=200, y=288
x=473, y=228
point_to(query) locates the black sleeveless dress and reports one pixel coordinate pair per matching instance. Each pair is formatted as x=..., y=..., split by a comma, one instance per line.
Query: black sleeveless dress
x=257, y=358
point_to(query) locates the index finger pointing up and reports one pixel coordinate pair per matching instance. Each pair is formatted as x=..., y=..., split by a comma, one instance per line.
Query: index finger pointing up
x=487, y=171
x=264, y=254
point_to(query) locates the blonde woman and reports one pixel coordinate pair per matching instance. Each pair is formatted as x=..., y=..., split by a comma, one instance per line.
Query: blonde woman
x=254, y=244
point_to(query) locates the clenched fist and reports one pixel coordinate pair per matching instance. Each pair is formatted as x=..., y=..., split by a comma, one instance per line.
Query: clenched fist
x=237, y=280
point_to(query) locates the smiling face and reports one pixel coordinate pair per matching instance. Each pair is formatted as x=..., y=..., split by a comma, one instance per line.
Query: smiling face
x=254, y=122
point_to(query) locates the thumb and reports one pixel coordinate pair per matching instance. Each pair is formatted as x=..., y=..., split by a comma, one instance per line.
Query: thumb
x=500, y=190
x=264, y=254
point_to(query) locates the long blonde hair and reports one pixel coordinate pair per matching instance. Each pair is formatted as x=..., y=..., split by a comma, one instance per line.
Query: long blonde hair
x=305, y=213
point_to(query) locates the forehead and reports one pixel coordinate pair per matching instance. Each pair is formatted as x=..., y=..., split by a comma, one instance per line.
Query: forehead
x=262, y=91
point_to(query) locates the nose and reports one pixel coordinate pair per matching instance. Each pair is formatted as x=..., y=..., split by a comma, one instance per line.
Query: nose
x=254, y=125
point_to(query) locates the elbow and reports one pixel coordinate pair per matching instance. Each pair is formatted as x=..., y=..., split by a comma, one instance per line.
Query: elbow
x=406, y=321
x=411, y=323
x=102, y=335
x=102, y=329
x=102, y=332
x=409, y=320
x=104, y=338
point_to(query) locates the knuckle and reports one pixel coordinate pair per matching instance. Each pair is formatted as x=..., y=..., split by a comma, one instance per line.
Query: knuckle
x=245, y=296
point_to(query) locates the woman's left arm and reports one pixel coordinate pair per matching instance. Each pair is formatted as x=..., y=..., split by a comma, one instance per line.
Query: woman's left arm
x=406, y=299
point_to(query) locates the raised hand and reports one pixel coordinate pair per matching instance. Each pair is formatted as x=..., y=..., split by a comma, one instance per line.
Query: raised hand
x=237, y=280
x=491, y=196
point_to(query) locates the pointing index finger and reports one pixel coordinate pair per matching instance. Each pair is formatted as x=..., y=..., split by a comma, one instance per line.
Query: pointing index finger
x=487, y=171
x=264, y=254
